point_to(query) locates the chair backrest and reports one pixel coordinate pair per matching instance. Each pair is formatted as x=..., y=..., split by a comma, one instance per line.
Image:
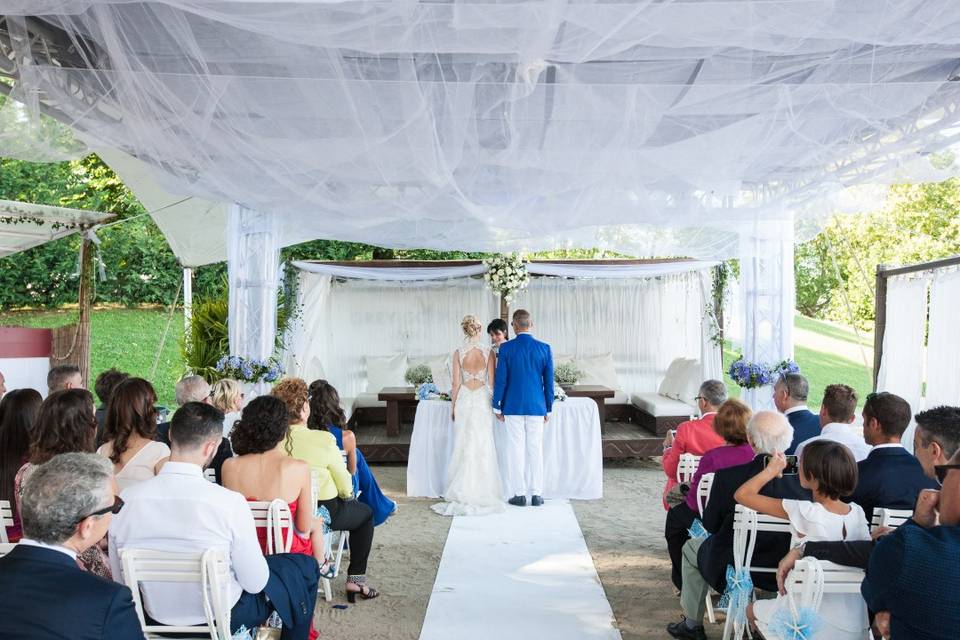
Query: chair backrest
x=686, y=467
x=275, y=517
x=6, y=547
x=747, y=523
x=210, y=474
x=6, y=520
x=812, y=578
x=890, y=517
x=207, y=569
x=703, y=491
x=314, y=485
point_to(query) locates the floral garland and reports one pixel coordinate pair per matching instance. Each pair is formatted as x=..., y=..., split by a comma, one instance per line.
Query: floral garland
x=249, y=369
x=506, y=274
x=40, y=222
x=753, y=375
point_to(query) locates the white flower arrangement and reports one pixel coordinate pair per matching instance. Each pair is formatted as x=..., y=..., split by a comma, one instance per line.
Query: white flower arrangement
x=506, y=274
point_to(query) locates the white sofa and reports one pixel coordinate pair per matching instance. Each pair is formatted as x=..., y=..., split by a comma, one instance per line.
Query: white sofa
x=674, y=401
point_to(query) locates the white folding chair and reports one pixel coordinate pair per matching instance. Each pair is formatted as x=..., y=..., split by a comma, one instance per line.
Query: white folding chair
x=686, y=467
x=6, y=547
x=747, y=523
x=211, y=475
x=328, y=539
x=889, y=518
x=703, y=495
x=206, y=569
x=275, y=517
x=6, y=520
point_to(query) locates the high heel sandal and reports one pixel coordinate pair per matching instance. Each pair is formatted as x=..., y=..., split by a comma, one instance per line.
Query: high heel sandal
x=366, y=592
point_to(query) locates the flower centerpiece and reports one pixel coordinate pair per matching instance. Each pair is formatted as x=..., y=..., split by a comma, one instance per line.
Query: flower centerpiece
x=249, y=369
x=429, y=391
x=418, y=375
x=566, y=374
x=753, y=375
x=559, y=394
x=506, y=274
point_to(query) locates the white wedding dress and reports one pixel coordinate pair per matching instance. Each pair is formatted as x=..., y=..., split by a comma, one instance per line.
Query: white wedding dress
x=473, y=477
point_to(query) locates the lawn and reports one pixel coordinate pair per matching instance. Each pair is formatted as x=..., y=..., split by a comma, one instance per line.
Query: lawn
x=122, y=338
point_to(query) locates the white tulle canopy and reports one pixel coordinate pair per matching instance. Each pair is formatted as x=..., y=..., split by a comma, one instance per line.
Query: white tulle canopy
x=648, y=126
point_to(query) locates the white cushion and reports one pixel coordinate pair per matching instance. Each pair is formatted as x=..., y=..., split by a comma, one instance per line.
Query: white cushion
x=669, y=386
x=661, y=406
x=366, y=401
x=385, y=371
x=561, y=358
x=619, y=397
x=598, y=370
x=689, y=385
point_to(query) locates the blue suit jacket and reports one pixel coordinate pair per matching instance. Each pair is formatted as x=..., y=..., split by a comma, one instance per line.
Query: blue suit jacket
x=806, y=425
x=524, y=379
x=890, y=477
x=914, y=575
x=45, y=595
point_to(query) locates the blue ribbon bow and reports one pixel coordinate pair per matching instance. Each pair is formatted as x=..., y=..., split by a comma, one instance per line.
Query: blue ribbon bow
x=739, y=588
x=804, y=627
x=697, y=530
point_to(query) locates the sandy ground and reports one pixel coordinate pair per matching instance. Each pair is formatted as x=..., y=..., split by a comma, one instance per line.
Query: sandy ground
x=624, y=533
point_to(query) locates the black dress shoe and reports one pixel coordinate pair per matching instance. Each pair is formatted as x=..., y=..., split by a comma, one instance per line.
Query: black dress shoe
x=682, y=631
x=536, y=501
x=518, y=501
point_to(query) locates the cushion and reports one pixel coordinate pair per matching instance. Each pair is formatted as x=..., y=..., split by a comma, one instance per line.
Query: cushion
x=598, y=370
x=619, y=397
x=366, y=400
x=671, y=379
x=561, y=358
x=661, y=406
x=689, y=385
x=385, y=371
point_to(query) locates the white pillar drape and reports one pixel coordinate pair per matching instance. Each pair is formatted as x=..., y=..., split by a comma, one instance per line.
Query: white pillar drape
x=901, y=366
x=943, y=352
x=711, y=355
x=768, y=297
x=253, y=257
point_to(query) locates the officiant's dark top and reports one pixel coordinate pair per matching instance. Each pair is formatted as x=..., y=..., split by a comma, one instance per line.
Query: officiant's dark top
x=524, y=379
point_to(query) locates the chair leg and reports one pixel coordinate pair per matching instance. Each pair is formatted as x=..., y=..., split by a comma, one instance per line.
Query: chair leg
x=710, y=614
x=327, y=591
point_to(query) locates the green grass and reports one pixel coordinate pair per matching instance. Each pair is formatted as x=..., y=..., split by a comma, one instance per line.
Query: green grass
x=123, y=338
x=834, y=331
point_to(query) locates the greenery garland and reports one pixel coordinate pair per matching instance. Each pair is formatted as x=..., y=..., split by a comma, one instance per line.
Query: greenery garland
x=24, y=218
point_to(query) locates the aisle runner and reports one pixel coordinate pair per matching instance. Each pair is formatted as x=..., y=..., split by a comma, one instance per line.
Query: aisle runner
x=525, y=574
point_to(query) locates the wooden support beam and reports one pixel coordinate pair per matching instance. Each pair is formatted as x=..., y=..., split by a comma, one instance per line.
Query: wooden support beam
x=880, y=322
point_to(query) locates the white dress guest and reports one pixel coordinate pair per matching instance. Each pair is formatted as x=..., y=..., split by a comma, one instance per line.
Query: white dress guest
x=142, y=466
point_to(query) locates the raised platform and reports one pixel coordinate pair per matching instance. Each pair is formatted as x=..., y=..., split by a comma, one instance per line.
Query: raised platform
x=620, y=440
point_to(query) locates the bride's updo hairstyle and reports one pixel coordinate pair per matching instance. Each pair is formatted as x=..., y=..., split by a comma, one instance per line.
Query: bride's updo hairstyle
x=471, y=328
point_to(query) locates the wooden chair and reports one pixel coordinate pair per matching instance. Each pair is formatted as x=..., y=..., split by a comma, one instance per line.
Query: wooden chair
x=6, y=520
x=686, y=467
x=207, y=570
x=889, y=518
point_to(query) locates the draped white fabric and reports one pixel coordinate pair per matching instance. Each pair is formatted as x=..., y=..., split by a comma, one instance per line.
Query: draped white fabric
x=393, y=274
x=498, y=125
x=647, y=270
x=943, y=348
x=901, y=366
x=572, y=450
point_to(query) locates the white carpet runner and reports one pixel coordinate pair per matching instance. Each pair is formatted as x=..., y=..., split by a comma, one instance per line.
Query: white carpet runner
x=524, y=573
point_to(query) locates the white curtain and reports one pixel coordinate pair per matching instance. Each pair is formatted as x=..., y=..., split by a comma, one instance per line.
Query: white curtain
x=253, y=254
x=645, y=323
x=392, y=273
x=943, y=349
x=901, y=366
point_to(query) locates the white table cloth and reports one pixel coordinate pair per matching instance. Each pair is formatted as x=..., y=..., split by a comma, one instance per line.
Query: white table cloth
x=572, y=450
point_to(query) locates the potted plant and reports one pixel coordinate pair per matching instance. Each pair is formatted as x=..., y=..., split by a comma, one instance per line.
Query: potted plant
x=566, y=375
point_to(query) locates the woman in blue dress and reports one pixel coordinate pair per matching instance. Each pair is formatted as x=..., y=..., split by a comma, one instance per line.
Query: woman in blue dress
x=327, y=415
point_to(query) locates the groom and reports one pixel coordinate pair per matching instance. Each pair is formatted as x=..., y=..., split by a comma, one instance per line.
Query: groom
x=522, y=399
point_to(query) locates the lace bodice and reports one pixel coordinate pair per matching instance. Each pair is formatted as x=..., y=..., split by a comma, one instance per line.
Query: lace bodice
x=467, y=376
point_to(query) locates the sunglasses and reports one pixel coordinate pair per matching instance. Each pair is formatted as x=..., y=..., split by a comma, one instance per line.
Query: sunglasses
x=113, y=508
x=942, y=470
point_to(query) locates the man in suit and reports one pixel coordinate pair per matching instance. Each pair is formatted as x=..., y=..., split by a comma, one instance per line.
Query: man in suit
x=704, y=562
x=937, y=437
x=890, y=477
x=522, y=399
x=790, y=397
x=68, y=504
x=196, y=389
x=837, y=413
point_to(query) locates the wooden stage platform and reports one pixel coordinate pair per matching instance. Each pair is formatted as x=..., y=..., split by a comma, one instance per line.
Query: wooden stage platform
x=620, y=440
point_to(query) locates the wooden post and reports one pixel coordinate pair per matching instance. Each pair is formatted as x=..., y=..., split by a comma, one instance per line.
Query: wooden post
x=82, y=348
x=718, y=304
x=505, y=314
x=880, y=321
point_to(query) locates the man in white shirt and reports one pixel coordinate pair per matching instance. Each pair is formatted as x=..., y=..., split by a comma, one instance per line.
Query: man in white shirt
x=180, y=511
x=837, y=413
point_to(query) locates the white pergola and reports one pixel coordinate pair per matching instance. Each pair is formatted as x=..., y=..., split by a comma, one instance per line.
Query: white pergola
x=653, y=127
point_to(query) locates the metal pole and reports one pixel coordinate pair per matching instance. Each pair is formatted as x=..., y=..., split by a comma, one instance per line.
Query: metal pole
x=187, y=298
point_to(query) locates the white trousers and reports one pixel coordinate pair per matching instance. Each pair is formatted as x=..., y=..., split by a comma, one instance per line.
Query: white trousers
x=524, y=455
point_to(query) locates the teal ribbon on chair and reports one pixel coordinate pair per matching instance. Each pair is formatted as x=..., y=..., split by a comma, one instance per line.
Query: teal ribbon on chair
x=738, y=591
x=787, y=626
x=697, y=530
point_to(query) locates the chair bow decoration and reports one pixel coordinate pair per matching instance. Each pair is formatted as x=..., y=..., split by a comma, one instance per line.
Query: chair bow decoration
x=737, y=596
x=801, y=624
x=697, y=530
x=322, y=513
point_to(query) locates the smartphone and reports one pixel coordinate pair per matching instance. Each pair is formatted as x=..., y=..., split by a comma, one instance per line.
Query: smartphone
x=792, y=468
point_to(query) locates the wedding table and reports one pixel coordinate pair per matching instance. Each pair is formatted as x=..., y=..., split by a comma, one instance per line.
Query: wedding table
x=572, y=450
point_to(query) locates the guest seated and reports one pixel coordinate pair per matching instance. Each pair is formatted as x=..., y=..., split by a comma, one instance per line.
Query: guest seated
x=227, y=395
x=179, y=511
x=196, y=389
x=937, y=437
x=335, y=490
x=730, y=423
x=130, y=429
x=890, y=477
x=67, y=507
x=262, y=471
x=65, y=424
x=105, y=384
x=695, y=437
x=63, y=377
x=790, y=397
x=829, y=471
x=18, y=411
x=704, y=561
x=837, y=416
x=327, y=415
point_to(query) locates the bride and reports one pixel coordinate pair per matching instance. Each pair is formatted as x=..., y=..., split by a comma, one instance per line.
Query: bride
x=473, y=477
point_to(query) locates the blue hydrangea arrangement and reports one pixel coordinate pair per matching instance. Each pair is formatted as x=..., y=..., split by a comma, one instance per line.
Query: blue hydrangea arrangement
x=753, y=375
x=249, y=369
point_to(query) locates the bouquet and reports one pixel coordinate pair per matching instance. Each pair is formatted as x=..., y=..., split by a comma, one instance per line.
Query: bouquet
x=559, y=394
x=429, y=391
x=506, y=274
x=249, y=369
x=418, y=375
x=566, y=373
x=753, y=375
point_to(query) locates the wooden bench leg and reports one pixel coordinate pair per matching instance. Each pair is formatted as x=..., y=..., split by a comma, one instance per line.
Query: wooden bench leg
x=393, y=418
